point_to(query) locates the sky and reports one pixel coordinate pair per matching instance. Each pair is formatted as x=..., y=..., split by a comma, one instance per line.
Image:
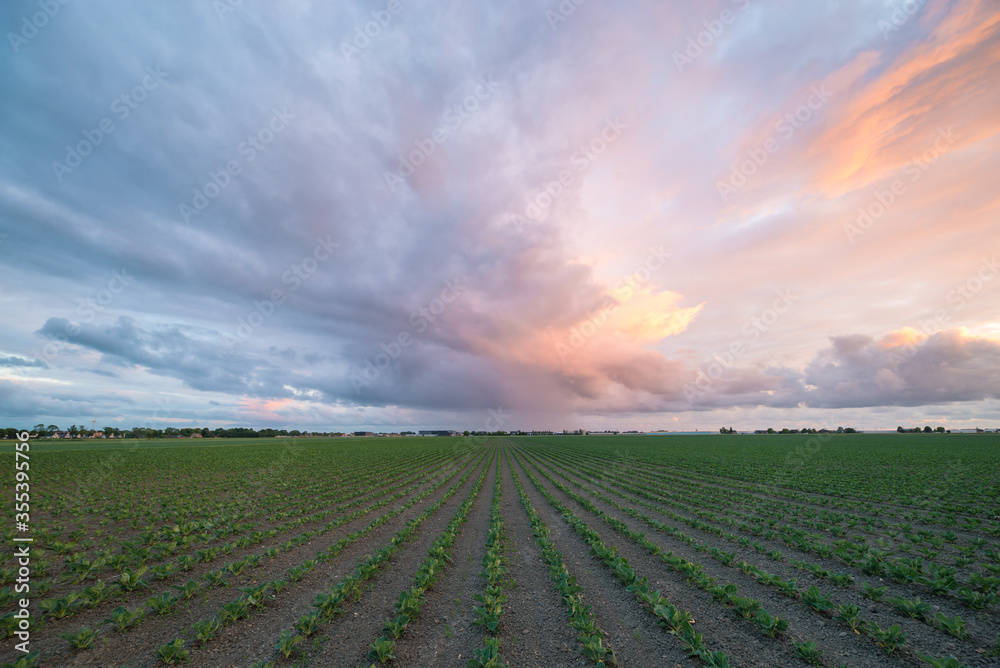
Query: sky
x=535, y=215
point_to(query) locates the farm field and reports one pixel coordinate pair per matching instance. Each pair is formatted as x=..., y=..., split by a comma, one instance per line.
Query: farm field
x=784, y=550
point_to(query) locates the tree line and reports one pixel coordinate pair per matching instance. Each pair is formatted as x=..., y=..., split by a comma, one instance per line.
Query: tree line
x=75, y=431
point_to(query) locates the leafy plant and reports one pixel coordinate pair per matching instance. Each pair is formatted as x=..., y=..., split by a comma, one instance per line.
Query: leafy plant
x=771, y=625
x=82, y=639
x=808, y=652
x=216, y=578
x=173, y=652
x=288, y=643
x=188, y=589
x=124, y=619
x=61, y=607
x=850, y=615
x=162, y=604
x=131, y=580
x=26, y=661
x=206, y=630
x=747, y=607
x=308, y=623
x=873, y=593
x=816, y=600
x=488, y=657
x=396, y=626
x=954, y=627
x=889, y=639
x=97, y=593
x=914, y=608
x=382, y=649
x=976, y=600
x=842, y=579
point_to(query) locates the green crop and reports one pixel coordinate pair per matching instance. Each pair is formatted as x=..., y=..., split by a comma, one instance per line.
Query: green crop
x=82, y=639
x=288, y=643
x=172, y=653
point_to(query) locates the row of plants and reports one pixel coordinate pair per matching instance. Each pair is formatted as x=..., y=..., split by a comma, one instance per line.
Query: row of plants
x=330, y=604
x=183, y=540
x=678, y=622
x=581, y=616
x=889, y=639
x=131, y=581
x=871, y=564
x=747, y=608
x=408, y=605
x=254, y=597
x=490, y=609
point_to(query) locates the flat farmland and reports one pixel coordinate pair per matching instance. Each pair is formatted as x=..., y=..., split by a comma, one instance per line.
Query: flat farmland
x=726, y=550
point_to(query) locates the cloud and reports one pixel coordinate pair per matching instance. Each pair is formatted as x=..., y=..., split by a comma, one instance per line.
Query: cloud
x=302, y=237
x=16, y=361
x=904, y=369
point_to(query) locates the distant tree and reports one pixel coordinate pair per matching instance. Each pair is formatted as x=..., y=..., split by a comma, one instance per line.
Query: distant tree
x=770, y=430
x=74, y=431
x=927, y=430
x=205, y=432
x=465, y=433
x=785, y=431
x=850, y=430
x=52, y=429
x=899, y=429
x=940, y=430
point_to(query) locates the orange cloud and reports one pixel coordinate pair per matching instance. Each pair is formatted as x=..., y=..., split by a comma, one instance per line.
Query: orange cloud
x=947, y=79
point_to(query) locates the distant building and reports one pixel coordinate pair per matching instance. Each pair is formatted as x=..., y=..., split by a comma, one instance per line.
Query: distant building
x=364, y=433
x=438, y=432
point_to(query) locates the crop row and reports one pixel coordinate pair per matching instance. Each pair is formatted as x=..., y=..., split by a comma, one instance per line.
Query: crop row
x=889, y=639
x=679, y=622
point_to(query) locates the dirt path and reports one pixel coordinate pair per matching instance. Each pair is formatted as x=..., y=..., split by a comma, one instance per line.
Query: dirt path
x=629, y=630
